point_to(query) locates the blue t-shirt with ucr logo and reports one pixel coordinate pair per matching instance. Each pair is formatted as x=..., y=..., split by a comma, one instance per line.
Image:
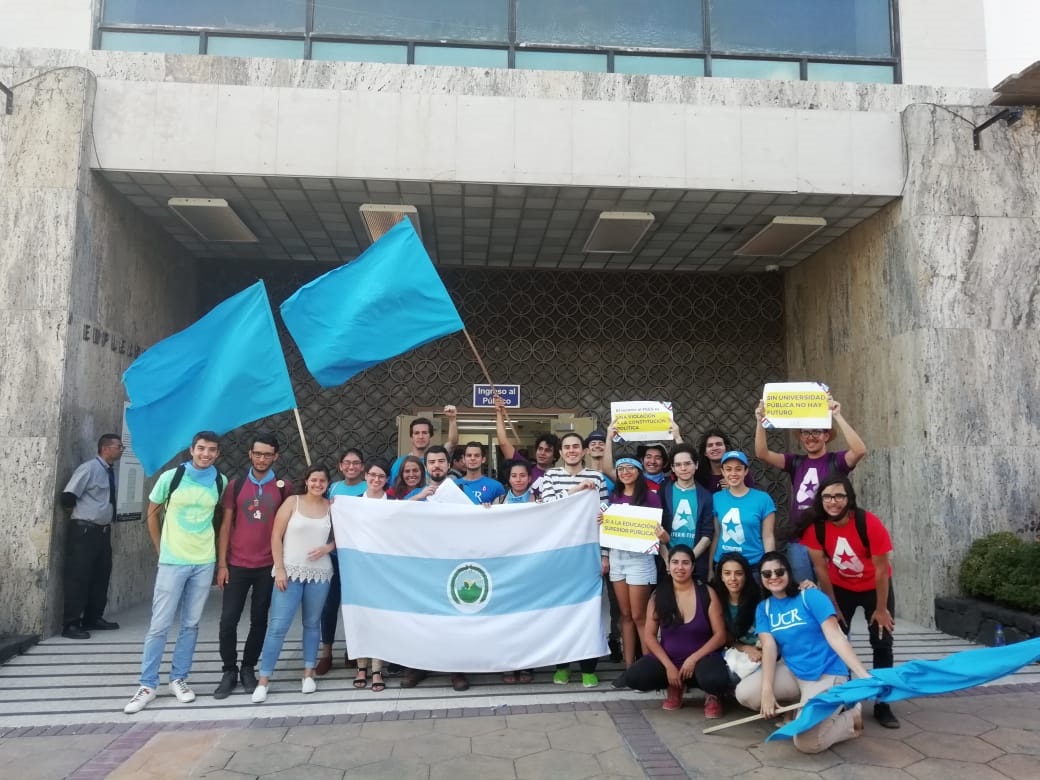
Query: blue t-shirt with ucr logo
x=481, y=491
x=796, y=623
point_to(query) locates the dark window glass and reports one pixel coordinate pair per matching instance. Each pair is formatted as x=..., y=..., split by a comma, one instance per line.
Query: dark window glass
x=852, y=28
x=661, y=24
x=452, y=20
x=287, y=15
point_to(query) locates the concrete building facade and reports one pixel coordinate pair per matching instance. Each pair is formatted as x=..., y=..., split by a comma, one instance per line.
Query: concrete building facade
x=916, y=303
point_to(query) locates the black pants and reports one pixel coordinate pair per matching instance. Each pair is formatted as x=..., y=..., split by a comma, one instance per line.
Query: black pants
x=849, y=600
x=88, y=567
x=330, y=612
x=240, y=580
x=710, y=674
x=588, y=666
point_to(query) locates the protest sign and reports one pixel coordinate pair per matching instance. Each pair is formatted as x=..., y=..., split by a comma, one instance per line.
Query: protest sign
x=632, y=528
x=642, y=420
x=796, y=405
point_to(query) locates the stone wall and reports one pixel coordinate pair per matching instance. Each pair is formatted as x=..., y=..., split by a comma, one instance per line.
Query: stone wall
x=925, y=322
x=74, y=255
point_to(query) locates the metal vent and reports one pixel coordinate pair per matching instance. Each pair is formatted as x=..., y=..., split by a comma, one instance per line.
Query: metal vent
x=618, y=232
x=212, y=218
x=380, y=217
x=781, y=236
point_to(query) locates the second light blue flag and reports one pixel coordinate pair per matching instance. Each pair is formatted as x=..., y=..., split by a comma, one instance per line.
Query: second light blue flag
x=386, y=302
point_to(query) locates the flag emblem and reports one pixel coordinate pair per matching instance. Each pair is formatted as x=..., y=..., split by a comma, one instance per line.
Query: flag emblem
x=469, y=588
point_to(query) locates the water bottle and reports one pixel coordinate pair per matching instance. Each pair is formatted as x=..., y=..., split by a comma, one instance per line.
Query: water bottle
x=998, y=636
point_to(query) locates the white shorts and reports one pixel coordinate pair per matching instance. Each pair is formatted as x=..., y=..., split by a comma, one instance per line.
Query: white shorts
x=633, y=567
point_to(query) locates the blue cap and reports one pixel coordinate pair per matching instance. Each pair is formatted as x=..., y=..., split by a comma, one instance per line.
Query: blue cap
x=737, y=454
x=628, y=462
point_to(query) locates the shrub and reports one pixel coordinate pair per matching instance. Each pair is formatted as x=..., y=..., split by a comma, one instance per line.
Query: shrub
x=1002, y=568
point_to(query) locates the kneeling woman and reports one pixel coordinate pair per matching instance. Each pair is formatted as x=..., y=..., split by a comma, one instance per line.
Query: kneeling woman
x=301, y=541
x=693, y=631
x=803, y=627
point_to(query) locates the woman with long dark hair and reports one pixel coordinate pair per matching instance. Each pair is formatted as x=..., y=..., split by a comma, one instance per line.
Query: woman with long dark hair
x=739, y=594
x=410, y=479
x=713, y=445
x=692, y=629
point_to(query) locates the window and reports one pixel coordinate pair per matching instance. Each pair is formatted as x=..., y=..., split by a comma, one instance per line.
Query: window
x=228, y=46
x=462, y=56
x=428, y=20
x=659, y=66
x=755, y=69
x=359, y=52
x=840, y=71
x=658, y=24
x=259, y=15
x=155, y=42
x=561, y=60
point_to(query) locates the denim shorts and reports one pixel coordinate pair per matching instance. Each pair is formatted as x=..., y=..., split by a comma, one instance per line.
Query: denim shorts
x=633, y=567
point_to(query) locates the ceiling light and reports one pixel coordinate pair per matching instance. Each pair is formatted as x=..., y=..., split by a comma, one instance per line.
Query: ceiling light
x=618, y=232
x=212, y=218
x=380, y=217
x=781, y=236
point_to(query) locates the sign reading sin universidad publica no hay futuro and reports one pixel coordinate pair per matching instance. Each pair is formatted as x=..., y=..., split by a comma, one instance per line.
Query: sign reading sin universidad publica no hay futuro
x=632, y=528
x=642, y=420
x=796, y=405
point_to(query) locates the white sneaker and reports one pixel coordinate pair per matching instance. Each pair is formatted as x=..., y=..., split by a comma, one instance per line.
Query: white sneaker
x=309, y=686
x=180, y=689
x=260, y=694
x=140, y=701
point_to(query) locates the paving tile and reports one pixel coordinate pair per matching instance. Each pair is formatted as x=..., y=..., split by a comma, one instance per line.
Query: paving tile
x=306, y=772
x=542, y=722
x=783, y=754
x=1015, y=741
x=876, y=752
x=269, y=758
x=401, y=729
x=1012, y=717
x=773, y=773
x=953, y=746
x=851, y=771
x=618, y=762
x=212, y=761
x=249, y=738
x=1017, y=767
x=716, y=760
x=391, y=769
x=172, y=753
x=432, y=748
x=556, y=764
x=949, y=722
x=469, y=727
x=352, y=753
x=316, y=736
x=223, y=774
x=595, y=718
x=510, y=743
x=945, y=769
x=584, y=739
x=473, y=768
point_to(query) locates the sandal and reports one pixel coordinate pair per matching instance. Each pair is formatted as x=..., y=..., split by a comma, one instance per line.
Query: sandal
x=378, y=686
x=509, y=678
x=359, y=680
x=524, y=676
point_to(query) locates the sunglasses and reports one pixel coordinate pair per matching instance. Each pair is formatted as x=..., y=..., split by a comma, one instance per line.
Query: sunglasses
x=769, y=574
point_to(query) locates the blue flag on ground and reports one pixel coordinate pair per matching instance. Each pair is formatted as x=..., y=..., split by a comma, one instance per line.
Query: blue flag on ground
x=386, y=302
x=916, y=678
x=222, y=372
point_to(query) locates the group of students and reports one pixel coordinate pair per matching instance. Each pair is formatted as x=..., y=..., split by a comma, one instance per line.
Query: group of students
x=694, y=611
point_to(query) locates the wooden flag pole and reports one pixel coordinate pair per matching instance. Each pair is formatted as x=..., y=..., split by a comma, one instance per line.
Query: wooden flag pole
x=749, y=719
x=303, y=439
x=487, y=376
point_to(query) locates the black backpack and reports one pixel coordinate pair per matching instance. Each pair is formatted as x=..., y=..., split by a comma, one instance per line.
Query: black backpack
x=242, y=486
x=859, y=519
x=178, y=475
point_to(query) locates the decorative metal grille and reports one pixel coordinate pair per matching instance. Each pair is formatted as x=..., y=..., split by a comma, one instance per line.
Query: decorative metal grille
x=572, y=339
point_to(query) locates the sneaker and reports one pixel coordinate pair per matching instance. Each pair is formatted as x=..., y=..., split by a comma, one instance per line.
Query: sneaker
x=180, y=689
x=260, y=694
x=883, y=715
x=562, y=676
x=589, y=680
x=248, y=676
x=228, y=682
x=673, y=701
x=141, y=700
x=309, y=686
x=712, y=707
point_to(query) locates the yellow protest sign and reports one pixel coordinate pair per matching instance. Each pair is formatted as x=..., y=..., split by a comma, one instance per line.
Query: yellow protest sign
x=796, y=405
x=632, y=528
x=642, y=420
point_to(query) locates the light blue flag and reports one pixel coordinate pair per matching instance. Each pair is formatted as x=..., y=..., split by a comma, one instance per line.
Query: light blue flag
x=222, y=372
x=916, y=678
x=384, y=303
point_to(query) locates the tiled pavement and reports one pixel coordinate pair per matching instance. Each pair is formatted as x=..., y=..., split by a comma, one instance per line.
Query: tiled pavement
x=60, y=717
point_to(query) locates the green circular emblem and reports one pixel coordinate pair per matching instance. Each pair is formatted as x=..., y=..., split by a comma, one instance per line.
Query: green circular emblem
x=469, y=587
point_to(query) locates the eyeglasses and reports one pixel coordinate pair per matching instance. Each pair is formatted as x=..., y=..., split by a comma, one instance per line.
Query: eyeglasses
x=680, y=464
x=264, y=455
x=834, y=497
x=815, y=433
x=772, y=574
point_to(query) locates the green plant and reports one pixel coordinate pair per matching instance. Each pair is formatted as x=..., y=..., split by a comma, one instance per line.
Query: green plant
x=1002, y=568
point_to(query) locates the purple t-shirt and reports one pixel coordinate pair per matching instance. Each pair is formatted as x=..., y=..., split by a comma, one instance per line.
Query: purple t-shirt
x=807, y=474
x=652, y=499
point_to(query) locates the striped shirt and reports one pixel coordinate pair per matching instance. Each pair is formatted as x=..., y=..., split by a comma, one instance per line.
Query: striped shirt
x=557, y=482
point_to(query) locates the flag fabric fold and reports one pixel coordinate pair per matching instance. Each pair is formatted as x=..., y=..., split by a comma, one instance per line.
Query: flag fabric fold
x=222, y=372
x=452, y=588
x=386, y=302
x=916, y=678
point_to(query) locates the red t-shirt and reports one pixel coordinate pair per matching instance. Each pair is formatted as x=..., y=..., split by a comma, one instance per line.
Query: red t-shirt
x=250, y=543
x=850, y=567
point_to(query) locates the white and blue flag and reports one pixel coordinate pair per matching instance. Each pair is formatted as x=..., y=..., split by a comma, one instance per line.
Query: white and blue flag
x=453, y=588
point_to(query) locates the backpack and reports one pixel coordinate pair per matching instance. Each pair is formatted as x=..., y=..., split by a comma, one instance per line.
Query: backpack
x=178, y=475
x=859, y=519
x=832, y=465
x=242, y=486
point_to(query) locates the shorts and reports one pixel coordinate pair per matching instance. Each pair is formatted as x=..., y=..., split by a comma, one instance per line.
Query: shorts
x=633, y=568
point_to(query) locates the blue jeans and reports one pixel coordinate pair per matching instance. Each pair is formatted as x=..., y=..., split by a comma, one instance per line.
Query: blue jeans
x=801, y=563
x=175, y=586
x=283, y=609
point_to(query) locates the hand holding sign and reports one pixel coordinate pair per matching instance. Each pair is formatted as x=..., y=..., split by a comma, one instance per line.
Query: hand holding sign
x=795, y=405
